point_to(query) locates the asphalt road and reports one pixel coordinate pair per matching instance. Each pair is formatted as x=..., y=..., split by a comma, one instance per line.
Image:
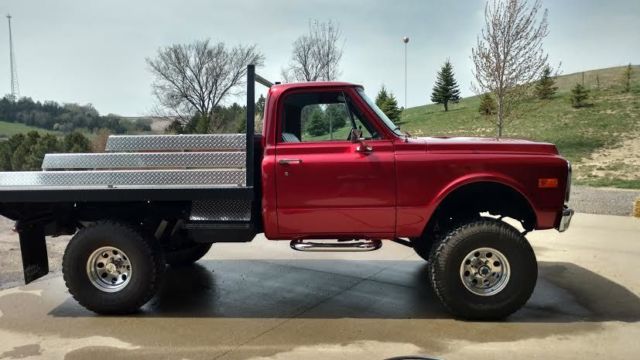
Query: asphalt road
x=264, y=301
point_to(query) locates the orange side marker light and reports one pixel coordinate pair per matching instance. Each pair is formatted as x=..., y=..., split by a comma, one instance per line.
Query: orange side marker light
x=548, y=183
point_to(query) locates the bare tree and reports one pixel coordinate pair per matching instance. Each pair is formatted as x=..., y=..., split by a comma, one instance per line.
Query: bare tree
x=316, y=55
x=193, y=79
x=508, y=56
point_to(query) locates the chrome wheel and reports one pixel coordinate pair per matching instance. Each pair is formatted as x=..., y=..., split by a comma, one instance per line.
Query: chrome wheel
x=109, y=269
x=485, y=271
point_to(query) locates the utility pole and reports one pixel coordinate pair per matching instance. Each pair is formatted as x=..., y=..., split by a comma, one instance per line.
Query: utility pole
x=405, y=40
x=15, y=88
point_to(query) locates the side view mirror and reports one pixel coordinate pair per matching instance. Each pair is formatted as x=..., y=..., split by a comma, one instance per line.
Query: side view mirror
x=355, y=135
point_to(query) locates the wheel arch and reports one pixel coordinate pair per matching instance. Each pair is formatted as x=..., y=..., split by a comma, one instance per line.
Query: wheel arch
x=497, y=195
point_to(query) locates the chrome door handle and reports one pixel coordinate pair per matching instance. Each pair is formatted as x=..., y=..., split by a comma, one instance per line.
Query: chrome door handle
x=289, y=161
x=364, y=149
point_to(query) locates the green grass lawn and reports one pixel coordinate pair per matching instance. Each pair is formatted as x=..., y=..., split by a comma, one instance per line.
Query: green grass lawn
x=612, y=117
x=8, y=129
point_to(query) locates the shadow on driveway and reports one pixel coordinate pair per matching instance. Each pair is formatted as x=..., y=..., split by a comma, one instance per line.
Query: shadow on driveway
x=330, y=289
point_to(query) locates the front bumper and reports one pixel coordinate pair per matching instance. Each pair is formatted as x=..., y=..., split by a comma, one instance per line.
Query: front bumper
x=565, y=219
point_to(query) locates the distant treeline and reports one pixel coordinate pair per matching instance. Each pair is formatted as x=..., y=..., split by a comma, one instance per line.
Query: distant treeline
x=26, y=151
x=65, y=118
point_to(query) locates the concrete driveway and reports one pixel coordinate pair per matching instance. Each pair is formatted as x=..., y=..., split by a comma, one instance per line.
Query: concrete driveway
x=262, y=300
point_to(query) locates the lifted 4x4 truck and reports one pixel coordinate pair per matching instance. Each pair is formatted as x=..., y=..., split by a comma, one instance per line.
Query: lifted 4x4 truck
x=154, y=200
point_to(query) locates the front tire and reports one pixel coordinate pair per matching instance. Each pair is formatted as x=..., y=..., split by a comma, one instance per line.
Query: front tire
x=483, y=270
x=112, y=268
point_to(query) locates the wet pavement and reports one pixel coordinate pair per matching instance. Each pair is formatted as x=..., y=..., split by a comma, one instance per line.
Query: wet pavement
x=262, y=300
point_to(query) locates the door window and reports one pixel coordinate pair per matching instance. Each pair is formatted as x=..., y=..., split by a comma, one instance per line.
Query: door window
x=322, y=116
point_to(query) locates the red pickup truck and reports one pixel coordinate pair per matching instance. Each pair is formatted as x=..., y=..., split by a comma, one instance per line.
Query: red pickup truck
x=328, y=165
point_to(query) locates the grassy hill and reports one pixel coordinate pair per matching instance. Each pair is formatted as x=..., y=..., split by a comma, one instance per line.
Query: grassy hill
x=8, y=129
x=589, y=136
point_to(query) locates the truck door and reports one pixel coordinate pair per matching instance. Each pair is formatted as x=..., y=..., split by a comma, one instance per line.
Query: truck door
x=327, y=184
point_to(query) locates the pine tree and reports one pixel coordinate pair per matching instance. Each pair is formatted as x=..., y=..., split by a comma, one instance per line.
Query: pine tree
x=627, y=78
x=76, y=142
x=387, y=102
x=487, y=105
x=545, y=88
x=317, y=124
x=391, y=109
x=579, y=95
x=336, y=115
x=260, y=105
x=382, y=97
x=446, y=88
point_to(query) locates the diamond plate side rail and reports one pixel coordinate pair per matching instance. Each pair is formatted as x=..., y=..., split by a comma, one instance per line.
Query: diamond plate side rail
x=129, y=143
x=228, y=160
x=122, y=178
x=221, y=210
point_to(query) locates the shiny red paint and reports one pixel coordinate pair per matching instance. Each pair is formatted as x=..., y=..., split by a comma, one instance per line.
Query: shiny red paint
x=337, y=192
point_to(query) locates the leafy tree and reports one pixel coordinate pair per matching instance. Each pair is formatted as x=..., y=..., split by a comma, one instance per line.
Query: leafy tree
x=545, y=88
x=487, y=105
x=446, y=88
x=509, y=56
x=316, y=55
x=193, y=80
x=627, y=78
x=175, y=127
x=579, y=95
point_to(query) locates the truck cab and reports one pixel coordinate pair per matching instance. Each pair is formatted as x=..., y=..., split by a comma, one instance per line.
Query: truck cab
x=368, y=179
x=330, y=172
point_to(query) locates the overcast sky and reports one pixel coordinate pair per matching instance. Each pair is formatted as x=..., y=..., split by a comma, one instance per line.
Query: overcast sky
x=94, y=51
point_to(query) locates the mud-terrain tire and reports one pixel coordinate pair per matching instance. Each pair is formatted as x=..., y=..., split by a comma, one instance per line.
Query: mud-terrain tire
x=112, y=268
x=188, y=254
x=424, y=244
x=483, y=270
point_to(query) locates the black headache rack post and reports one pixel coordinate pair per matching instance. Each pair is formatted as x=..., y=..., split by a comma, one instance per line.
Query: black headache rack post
x=22, y=203
x=252, y=78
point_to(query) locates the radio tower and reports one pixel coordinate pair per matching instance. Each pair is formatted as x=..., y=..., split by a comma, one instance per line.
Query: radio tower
x=15, y=88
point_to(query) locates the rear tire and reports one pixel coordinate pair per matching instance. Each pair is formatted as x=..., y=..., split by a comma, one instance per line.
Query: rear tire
x=111, y=268
x=483, y=270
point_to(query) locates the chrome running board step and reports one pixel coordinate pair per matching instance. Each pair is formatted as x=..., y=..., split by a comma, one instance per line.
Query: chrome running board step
x=336, y=245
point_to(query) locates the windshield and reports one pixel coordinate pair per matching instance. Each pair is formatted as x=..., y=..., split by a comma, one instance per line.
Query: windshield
x=381, y=114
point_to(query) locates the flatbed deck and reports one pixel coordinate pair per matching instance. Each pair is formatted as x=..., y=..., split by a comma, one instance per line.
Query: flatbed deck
x=139, y=168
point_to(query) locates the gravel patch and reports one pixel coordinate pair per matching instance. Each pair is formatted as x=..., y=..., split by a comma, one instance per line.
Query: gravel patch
x=604, y=201
x=11, y=259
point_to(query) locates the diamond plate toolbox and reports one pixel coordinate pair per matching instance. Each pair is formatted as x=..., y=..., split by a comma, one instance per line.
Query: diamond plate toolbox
x=227, y=160
x=129, y=143
x=221, y=210
x=115, y=178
